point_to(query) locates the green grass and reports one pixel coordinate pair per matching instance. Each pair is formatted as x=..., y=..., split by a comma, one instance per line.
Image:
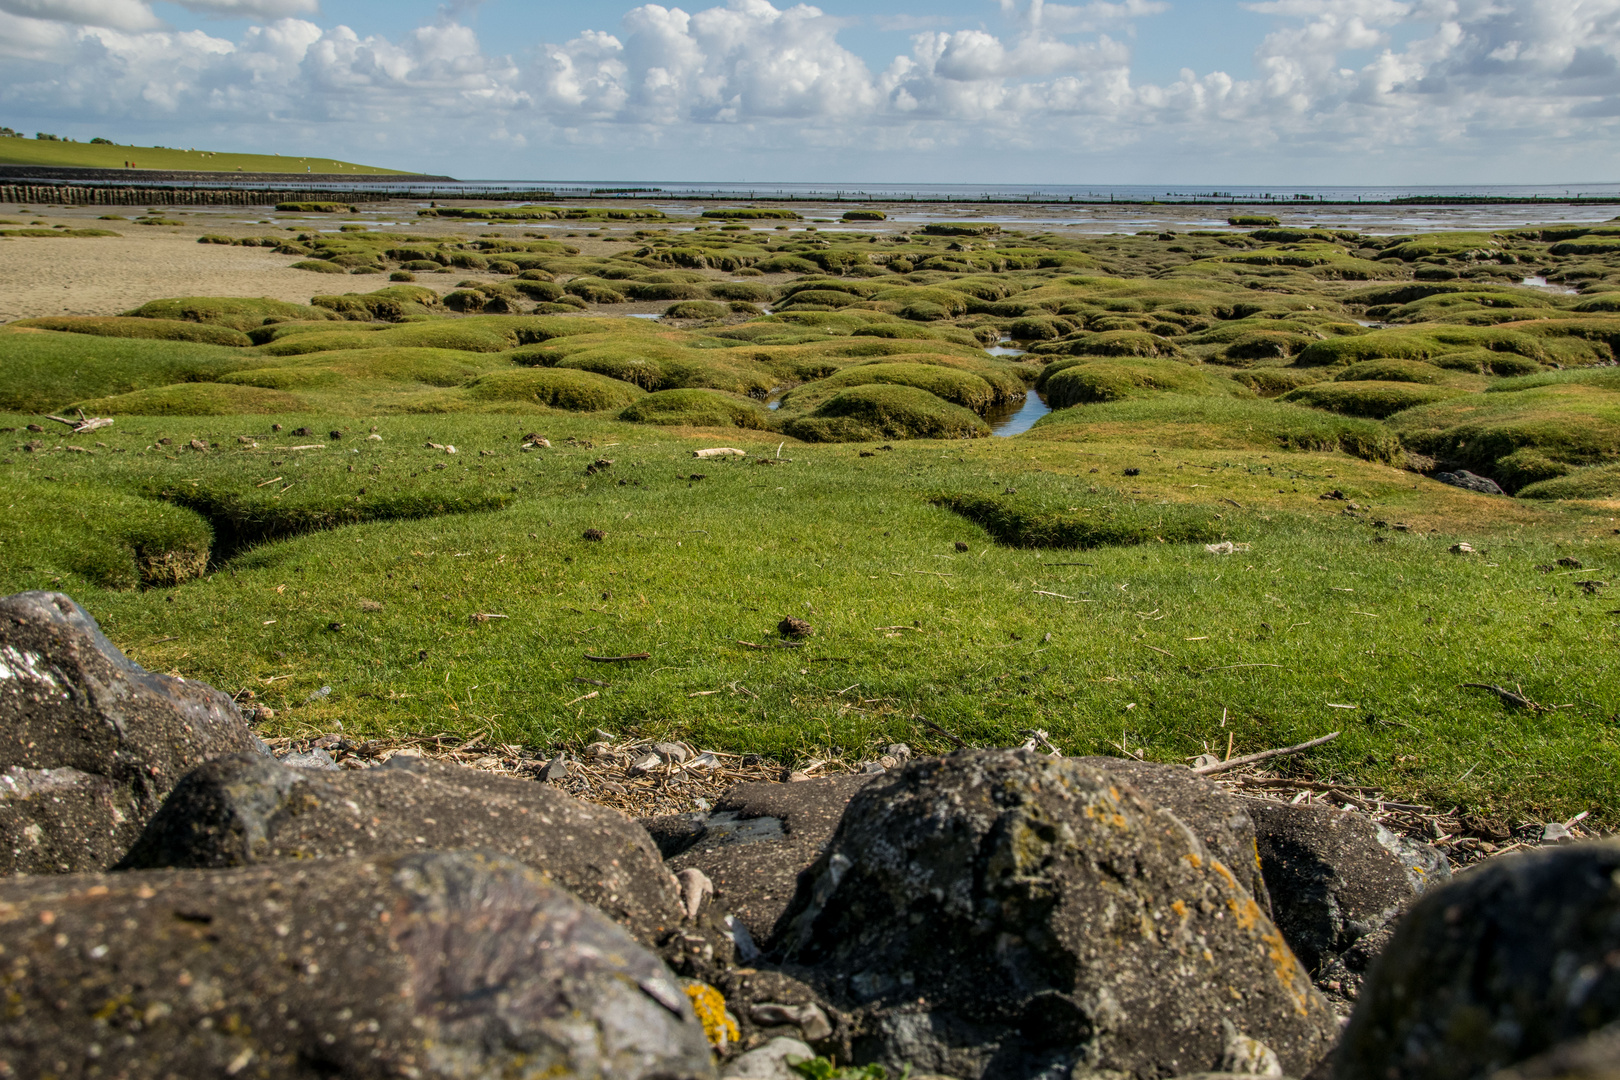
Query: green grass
x=1370, y=398
x=859, y=547
x=1085, y=603
x=101, y=156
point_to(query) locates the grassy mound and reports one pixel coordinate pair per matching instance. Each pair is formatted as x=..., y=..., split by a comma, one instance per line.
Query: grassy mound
x=107, y=538
x=314, y=208
x=196, y=399
x=1372, y=399
x=871, y=413
x=144, y=329
x=234, y=312
x=696, y=309
x=1593, y=482
x=1569, y=424
x=1101, y=522
x=1086, y=382
x=44, y=370
x=1407, y=371
x=1253, y=221
x=557, y=388
x=865, y=215
x=949, y=384
x=697, y=408
x=1275, y=382
x=1231, y=423
x=752, y=214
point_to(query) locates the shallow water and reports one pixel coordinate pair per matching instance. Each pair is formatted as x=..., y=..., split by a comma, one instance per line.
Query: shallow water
x=1004, y=350
x=1539, y=282
x=644, y=315
x=1017, y=419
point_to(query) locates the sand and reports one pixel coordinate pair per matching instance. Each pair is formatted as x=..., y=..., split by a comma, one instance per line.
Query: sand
x=111, y=275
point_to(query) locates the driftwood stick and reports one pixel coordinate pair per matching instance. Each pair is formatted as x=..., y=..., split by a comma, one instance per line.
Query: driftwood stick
x=617, y=659
x=1264, y=755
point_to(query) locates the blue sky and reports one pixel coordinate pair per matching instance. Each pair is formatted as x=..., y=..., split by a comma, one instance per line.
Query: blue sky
x=970, y=91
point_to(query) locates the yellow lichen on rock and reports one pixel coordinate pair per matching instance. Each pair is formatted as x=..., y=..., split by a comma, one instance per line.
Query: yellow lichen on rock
x=710, y=1007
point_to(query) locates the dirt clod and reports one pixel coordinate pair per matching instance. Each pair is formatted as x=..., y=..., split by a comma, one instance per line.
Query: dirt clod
x=793, y=626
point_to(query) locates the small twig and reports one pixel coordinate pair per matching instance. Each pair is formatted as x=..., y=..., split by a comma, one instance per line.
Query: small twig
x=1155, y=648
x=485, y=616
x=1517, y=701
x=1060, y=596
x=1234, y=502
x=583, y=697
x=941, y=731
x=267, y=483
x=773, y=645
x=1264, y=755
x=617, y=659
x=1068, y=564
x=1228, y=667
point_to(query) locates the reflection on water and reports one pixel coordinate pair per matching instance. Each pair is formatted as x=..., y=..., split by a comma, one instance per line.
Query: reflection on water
x=1018, y=418
x=635, y=315
x=1002, y=350
x=1539, y=282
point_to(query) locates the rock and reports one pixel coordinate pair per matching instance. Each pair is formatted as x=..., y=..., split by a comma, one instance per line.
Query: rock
x=1220, y=821
x=317, y=759
x=758, y=840
x=434, y=965
x=1595, y=1057
x=1462, y=478
x=240, y=810
x=769, y=1062
x=1502, y=964
x=1336, y=876
x=771, y=1003
x=92, y=742
x=1002, y=913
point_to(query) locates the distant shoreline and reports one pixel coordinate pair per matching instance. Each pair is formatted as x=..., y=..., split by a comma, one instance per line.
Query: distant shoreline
x=37, y=183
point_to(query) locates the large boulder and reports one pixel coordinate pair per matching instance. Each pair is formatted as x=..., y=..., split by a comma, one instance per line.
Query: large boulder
x=1336, y=877
x=90, y=741
x=757, y=841
x=246, y=809
x=1004, y=914
x=432, y=965
x=1500, y=965
x=1219, y=819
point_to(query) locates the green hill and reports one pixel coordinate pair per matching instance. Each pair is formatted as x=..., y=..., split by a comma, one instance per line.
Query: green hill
x=18, y=151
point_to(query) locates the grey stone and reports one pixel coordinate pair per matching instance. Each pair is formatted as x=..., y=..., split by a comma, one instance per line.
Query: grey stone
x=1220, y=821
x=242, y=809
x=90, y=741
x=1462, y=478
x=769, y=1062
x=316, y=759
x=1502, y=964
x=435, y=965
x=1006, y=914
x=758, y=840
x=1335, y=876
x=1593, y=1057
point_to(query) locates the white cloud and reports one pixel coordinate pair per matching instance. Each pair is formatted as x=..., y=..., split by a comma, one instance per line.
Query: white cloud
x=1352, y=81
x=116, y=14
x=138, y=14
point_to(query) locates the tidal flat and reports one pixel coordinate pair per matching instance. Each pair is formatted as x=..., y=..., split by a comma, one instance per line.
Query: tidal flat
x=416, y=502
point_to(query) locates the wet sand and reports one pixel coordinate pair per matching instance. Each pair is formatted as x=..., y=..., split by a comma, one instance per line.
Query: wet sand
x=110, y=275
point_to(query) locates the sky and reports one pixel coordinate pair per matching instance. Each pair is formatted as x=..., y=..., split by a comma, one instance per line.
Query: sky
x=1192, y=92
